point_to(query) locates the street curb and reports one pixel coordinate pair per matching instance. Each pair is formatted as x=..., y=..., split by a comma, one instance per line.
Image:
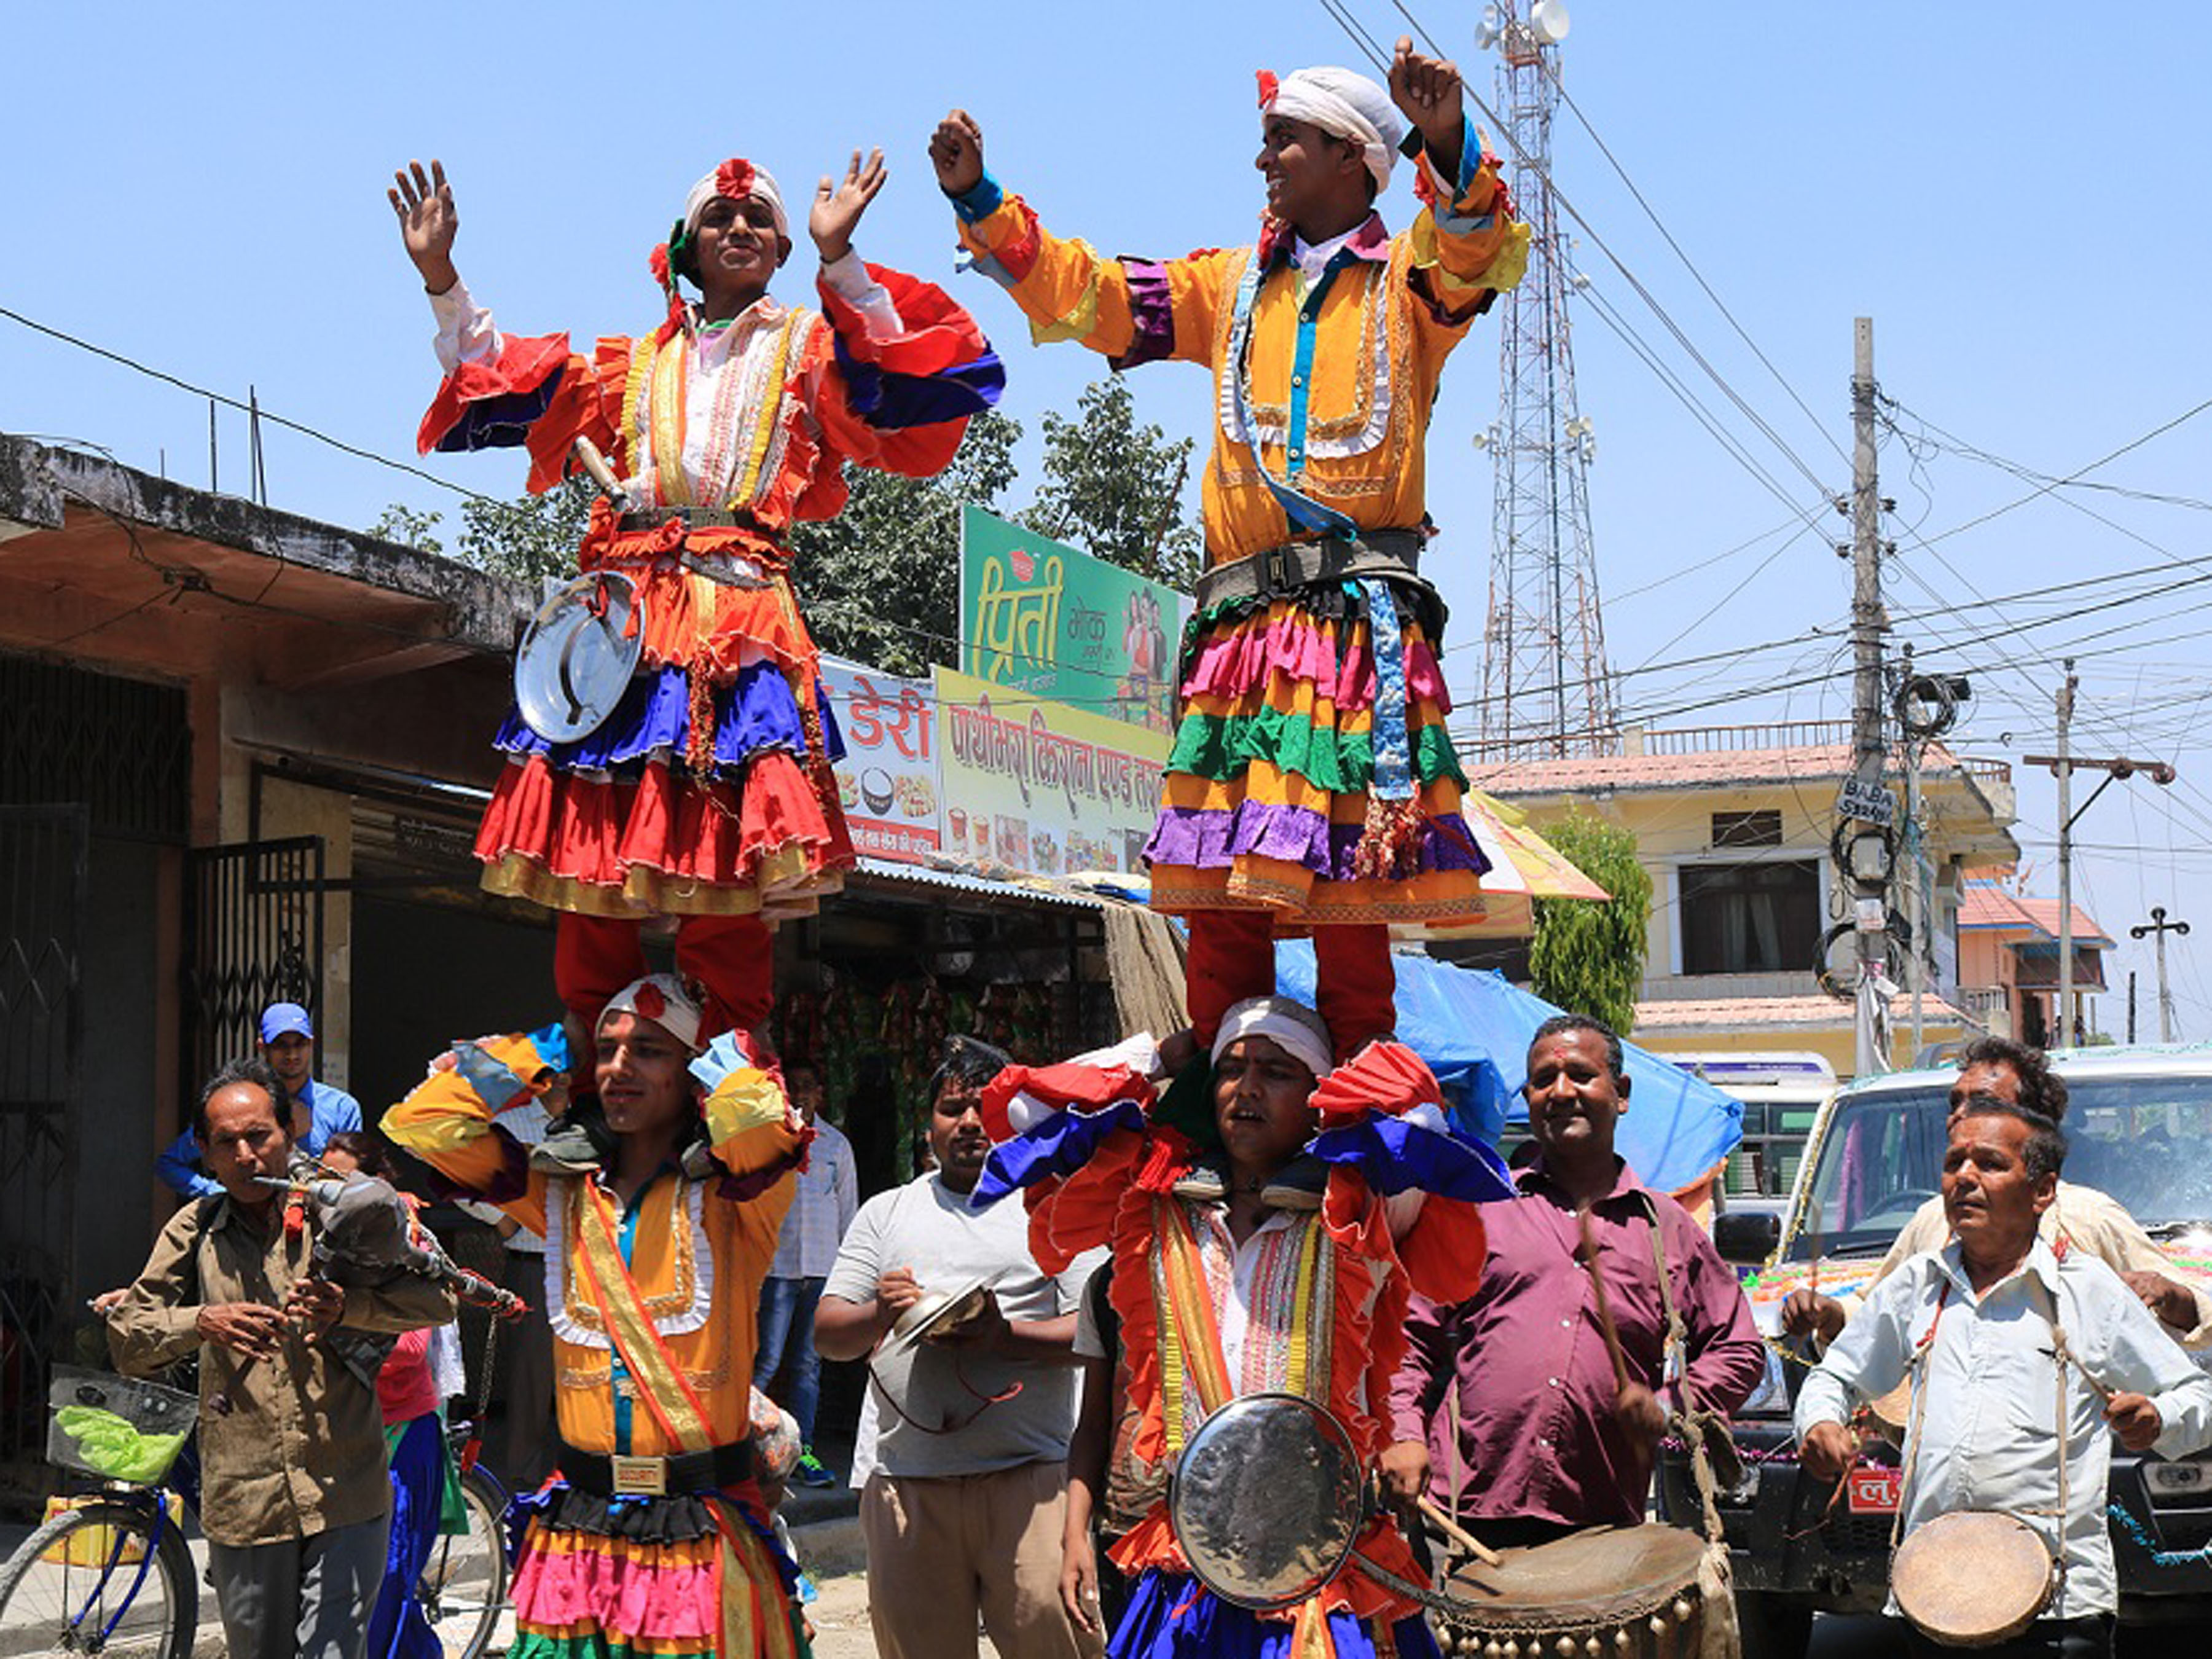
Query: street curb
x=830, y=1548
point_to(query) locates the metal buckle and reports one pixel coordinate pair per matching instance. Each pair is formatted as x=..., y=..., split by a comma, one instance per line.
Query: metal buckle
x=1275, y=570
x=638, y=1476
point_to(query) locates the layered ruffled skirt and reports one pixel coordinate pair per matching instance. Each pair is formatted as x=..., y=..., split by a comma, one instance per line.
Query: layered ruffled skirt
x=620, y=1579
x=708, y=791
x=1172, y=1616
x=1310, y=780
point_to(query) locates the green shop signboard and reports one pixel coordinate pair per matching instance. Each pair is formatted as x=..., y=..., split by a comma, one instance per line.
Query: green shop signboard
x=1040, y=616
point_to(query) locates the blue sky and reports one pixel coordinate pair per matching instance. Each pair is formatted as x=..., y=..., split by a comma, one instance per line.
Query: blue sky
x=2010, y=191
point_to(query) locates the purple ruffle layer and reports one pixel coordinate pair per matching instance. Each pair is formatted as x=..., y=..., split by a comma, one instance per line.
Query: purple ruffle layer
x=1207, y=838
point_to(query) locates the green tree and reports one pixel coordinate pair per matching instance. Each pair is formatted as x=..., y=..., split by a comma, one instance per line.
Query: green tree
x=1114, y=489
x=1585, y=956
x=528, y=539
x=880, y=582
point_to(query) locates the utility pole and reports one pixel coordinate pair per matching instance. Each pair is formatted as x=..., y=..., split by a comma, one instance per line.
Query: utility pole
x=2131, y=1007
x=2065, y=771
x=1867, y=625
x=2063, y=765
x=2159, y=926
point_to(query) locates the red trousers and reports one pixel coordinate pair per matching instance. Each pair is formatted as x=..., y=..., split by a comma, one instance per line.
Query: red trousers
x=733, y=957
x=1232, y=957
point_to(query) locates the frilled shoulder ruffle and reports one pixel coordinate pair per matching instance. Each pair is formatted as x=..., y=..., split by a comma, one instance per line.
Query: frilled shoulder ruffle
x=494, y=402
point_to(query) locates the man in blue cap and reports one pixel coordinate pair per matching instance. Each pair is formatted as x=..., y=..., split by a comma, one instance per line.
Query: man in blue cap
x=319, y=1111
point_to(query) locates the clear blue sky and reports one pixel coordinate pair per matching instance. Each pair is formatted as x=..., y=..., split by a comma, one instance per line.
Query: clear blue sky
x=2011, y=192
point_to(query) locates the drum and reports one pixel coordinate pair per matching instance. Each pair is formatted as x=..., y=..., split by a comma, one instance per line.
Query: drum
x=1972, y=1578
x=1266, y=1500
x=1618, y=1592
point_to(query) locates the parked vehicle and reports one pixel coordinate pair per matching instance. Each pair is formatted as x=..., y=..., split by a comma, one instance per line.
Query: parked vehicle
x=1781, y=1092
x=2140, y=1124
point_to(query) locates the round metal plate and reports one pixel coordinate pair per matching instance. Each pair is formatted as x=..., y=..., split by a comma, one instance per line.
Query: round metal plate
x=575, y=663
x=1267, y=1500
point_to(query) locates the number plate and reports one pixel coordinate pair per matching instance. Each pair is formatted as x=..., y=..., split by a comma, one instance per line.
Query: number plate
x=1875, y=1492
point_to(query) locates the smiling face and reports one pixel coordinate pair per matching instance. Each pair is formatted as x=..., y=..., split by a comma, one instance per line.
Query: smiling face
x=1262, y=1104
x=1989, y=1198
x=1574, y=1099
x=738, y=248
x=1315, y=182
x=644, y=1074
x=957, y=1139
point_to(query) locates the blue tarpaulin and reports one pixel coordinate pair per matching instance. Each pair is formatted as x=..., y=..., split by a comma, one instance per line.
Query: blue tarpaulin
x=1473, y=1029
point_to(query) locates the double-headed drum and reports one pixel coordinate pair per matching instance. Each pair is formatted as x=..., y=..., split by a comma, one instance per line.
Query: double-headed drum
x=1604, y=1593
x=1972, y=1578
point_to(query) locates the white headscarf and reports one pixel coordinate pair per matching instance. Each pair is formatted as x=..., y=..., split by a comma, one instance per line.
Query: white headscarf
x=736, y=179
x=1291, y=1025
x=1344, y=104
x=661, y=999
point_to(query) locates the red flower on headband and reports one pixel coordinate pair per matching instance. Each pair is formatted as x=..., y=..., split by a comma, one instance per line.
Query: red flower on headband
x=651, y=1001
x=659, y=263
x=1269, y=85
x=734, y=178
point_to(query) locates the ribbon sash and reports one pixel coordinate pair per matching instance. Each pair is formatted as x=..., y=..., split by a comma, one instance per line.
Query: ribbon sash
x=668, y=1395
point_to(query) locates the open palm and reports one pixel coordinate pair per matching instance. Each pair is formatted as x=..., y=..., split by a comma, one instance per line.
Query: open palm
x=838, y=206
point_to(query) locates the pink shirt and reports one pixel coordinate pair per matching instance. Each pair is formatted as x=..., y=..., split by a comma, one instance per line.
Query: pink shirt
x=405, y=1388
x=1513, y=1389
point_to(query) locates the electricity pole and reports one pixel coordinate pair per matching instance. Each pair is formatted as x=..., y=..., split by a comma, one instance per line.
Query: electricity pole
x=1867, y=625
x=2159, y=926
x=2065, y=771
x=2063, y=765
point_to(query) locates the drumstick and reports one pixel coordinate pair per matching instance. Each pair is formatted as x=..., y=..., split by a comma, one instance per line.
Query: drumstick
x=595, y=465
x=1459, y=1536
x=1604, y=1308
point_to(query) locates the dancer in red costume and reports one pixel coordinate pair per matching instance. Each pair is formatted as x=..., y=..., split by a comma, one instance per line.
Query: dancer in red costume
x=706, y=794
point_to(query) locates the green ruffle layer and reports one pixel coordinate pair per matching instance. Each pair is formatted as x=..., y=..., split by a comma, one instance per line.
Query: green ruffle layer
x=1217, y=747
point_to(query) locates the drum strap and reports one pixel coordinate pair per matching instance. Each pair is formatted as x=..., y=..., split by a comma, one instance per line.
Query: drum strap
x=1697, y=1421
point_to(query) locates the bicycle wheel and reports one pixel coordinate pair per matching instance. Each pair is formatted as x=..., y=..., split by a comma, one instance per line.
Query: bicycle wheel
x=93, y=1580
x=465, y=1582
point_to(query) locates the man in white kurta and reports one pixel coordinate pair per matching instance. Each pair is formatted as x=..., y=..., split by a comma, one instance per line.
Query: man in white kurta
x=1979, y=1314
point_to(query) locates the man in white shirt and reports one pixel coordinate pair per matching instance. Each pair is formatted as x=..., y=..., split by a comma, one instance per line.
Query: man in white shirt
x=964, y=1512
x=828, y=1195
x=1980, y=1321
x=2093, y=1221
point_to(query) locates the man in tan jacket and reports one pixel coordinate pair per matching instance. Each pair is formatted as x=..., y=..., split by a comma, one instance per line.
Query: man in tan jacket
x=294, y=1498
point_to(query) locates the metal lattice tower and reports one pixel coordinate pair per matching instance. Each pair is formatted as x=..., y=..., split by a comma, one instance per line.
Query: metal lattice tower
x=1546, y=688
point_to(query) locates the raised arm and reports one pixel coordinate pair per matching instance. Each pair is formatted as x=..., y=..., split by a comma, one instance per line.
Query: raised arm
x=429, y=221
x=1133, y=311
x=1467, y=246
x=447, y=1123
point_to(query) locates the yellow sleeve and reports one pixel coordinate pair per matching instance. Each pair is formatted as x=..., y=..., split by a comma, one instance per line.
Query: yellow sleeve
x=1466, y=244
x=447, y=1123
x=1131, y=310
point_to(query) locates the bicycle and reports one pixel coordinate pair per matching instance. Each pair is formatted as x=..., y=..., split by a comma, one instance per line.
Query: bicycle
x=111, y=1576
x=465, y=1578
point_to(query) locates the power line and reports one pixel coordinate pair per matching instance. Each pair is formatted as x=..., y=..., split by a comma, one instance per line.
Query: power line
x=260, y=413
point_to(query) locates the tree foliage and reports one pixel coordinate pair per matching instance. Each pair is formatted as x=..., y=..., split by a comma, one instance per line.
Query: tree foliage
x=528, y=539
x=880, y=582
x=1114, y=489
x=1588, y=957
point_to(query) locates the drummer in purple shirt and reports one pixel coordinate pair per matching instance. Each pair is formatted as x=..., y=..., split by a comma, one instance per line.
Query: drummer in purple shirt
x=1505, y=1408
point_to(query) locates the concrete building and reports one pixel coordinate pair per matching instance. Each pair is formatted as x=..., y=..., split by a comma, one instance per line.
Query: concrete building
x=2009, y=959
x=1734, y=825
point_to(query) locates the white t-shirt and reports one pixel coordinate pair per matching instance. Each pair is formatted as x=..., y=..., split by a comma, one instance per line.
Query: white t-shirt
x=928, y=1228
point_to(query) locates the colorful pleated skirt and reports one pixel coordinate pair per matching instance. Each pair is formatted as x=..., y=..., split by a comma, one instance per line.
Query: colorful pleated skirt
x=1311, y=777
x=673, y=1578
x=1172, y=1616
x=708, y=791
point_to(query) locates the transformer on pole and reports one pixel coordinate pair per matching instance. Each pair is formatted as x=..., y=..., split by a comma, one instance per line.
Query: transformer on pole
x=1546, y=686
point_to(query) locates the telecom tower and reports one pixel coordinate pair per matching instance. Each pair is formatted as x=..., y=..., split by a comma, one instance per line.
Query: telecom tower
x=1546, y=688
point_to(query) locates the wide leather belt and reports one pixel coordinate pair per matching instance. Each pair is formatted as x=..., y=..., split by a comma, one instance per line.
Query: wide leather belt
x=1284, y=569
x=657, y=1477
x=698, y=518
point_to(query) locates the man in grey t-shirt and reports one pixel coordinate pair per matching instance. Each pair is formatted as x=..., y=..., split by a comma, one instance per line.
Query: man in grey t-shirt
x=963, y=1514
